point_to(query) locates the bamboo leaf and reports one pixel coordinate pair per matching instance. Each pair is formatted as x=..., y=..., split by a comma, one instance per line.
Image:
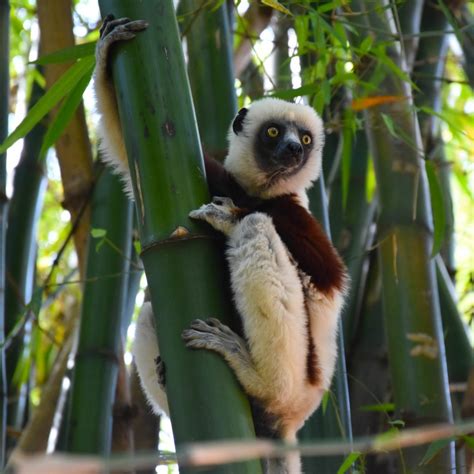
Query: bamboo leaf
x=348, y=462
x=65, y=113
x=434, y=448
x=308, y=89
x=370, y=181
x=67, y=54
x=98, y=233
x=277, y=6
x=379, y=407
x=59, y=89
x=390, y=125
x=367, y=102
x=324, y=401
x=437, y=204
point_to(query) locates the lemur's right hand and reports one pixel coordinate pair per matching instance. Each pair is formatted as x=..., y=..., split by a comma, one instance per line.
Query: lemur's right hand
x=111, y=31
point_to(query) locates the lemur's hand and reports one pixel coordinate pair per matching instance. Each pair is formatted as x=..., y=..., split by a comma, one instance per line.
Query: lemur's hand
x=221, y=214
x=111, y=31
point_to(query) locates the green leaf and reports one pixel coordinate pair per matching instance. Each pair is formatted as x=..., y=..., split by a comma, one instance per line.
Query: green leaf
x=57, y=91
x=434, y=448
x=68, y=54
x=348, y=462
x=277, y=6
x=292, y=93
x=437, y=205
x=324, y=401
x=370, y=180
x=381, y=407
x=138, y=246
x=65, y=113
x=98, y=233
x=469, y=440
x=390, y=125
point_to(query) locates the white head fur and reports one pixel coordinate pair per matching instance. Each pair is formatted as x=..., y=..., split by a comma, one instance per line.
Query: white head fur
x=241, y=163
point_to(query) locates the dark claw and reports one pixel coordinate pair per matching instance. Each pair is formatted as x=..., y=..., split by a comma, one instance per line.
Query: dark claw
x=160, y=371
x=128, y=25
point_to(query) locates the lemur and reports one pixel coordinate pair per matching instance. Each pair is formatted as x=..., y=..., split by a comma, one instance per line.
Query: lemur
x=287, y=280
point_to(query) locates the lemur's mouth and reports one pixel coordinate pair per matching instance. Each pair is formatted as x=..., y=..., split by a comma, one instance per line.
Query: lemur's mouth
x=282, y=173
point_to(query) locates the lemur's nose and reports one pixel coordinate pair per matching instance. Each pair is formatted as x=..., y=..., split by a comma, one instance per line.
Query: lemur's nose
x=294, y=148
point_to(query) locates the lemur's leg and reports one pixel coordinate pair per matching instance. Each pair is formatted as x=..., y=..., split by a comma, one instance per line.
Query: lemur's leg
x=269, y=297
x=150, y=366
x=110, y=132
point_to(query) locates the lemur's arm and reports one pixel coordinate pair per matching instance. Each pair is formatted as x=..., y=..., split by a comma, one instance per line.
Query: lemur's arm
x=110, y=131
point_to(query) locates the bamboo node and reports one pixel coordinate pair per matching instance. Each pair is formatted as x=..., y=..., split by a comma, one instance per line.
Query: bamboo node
x=179, y=232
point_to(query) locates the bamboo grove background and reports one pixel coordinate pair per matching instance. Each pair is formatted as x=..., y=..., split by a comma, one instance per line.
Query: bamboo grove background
x=393, y=81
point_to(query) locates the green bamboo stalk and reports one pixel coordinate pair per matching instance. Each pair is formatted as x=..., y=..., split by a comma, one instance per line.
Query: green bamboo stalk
x=282, y=56
x=23, y=216
x=409, y=15
x=430, y=65
x=183, y=266
x=210, y=70
x=351, y=229
x=369, y=379
x=89, y=422
x=4, y=95
x=411, y=307
x=459, y=352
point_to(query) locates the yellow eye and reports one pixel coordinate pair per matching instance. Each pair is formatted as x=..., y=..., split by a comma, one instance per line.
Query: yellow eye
x=306, y=139
x=272, y=132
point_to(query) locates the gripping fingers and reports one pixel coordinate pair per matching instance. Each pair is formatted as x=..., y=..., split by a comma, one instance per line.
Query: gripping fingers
x=113, y=31
x=111, y=24
x=220, y=214
x=214, y=336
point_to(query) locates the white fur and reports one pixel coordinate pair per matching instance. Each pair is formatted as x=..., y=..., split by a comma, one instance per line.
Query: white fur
x=240, y=159
x=145, y=351
x=111, y=142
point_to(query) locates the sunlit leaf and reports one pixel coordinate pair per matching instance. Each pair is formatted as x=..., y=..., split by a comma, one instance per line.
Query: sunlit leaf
x=437, y=204
x=370, y=180
x=67, y=54
x=277, y=6
x=65, y=113
x=348, y=462
x=57, y=91
x=292, y=93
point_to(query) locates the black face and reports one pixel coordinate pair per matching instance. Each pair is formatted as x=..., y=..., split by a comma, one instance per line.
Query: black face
x=282, y=148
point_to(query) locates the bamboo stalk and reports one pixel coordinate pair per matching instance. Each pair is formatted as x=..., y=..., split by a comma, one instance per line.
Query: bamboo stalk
x=183, y=267
x=210, y=72
x=25, y=207
x=430, y=64
x=89, y=421
x=4, y=95
x=411, y=307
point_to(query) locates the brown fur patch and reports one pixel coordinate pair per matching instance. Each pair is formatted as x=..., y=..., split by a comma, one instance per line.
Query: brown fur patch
x=313, y=371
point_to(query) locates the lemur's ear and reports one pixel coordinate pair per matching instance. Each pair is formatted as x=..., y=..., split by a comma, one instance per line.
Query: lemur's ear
x=238, y=123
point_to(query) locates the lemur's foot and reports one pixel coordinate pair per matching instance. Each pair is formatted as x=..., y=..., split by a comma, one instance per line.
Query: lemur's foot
x=113, y=30
x=221, y=213
x=215, y=336
x=160, y=371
